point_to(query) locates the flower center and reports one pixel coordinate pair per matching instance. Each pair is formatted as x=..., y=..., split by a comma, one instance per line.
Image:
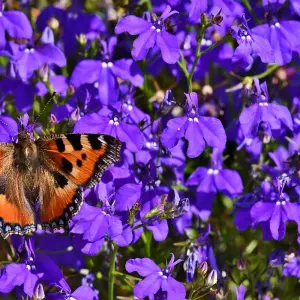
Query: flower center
x=213, y=171
x=114, y=121
x=73, y=16
x=108, y=64
x=275, y=25
x=127, y=105
x=245, y=36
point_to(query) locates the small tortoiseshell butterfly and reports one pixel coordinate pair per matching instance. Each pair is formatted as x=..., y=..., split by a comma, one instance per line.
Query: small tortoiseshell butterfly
x=41, y=181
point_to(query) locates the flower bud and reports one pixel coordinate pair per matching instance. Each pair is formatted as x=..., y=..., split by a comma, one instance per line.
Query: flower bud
x=39, y=293
x=241, y=264
x=203, y=267
x=212, y=278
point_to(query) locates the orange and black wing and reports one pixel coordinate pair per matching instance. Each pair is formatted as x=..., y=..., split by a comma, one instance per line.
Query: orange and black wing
x=72, y=161
x=16, y=214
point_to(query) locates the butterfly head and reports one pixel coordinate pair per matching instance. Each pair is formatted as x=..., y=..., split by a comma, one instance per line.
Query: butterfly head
x=25, y=130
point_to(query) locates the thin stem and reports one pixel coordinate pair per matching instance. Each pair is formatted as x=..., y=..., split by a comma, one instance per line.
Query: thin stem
x=127, y=276
x=197, y=57
x=270, y=70
x=111, y=274
x=251, y=11
x=149, y=5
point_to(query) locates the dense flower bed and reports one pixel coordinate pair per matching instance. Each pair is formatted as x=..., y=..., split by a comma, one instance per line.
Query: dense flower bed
x=204, y=96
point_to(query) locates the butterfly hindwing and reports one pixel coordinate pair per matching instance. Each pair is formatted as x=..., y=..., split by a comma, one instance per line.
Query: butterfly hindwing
x=64, y=202
x=82, y=158
x=16, y=214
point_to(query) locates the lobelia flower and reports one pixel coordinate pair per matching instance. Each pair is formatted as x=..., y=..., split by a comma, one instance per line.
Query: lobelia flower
x=23, y=91
x=200, y=251
x=94, y=224
x=251, y=43
x=73, y=22
x=196, y=129
x=15, y=23
x=151, y=33
x=213, y=179
x=81, y=293
x=292, y=265
x=31, y=58
x=8, y=128
x=157, y=282
x=104, y=73
x=112, y=122
x=240, y=292
x=271, y=208
x=32, y=269
x=264, y=118
x=283, y=37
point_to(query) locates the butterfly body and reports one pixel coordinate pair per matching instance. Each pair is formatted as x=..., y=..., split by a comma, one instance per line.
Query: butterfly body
x=41, y=181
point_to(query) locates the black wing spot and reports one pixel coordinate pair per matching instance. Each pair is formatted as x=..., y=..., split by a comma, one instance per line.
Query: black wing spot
x=74, y=139
x=60, y=180
x=94, y=141
x=79, y=163
x=67, y=166
x=60, y=145
x=83, y=156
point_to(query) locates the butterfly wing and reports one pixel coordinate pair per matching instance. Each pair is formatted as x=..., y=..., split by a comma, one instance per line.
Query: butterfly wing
x=72, y=161
x=16, y=214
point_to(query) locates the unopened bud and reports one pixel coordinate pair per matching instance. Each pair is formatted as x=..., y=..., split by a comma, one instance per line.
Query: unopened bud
x=53, y=119
x=212, y=278
x=203, y=268
x=39, y=293
x=82, y=39
x=241, y=265
x=53, y=23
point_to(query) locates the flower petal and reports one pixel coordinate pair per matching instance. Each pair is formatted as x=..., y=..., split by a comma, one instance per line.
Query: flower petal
x=149, y=286
x=195, y=139
x=142, y=44
x=213, y=132
x=169, y=47
x=144, y=266
x=86, y=71
x=229, y=182
x=133, y=25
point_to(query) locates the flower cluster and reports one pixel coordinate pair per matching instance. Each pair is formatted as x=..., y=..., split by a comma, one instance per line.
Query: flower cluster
x=204, y=97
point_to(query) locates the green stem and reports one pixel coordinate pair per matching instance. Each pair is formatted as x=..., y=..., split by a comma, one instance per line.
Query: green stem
x=251, y=11
x=111, y=274
x=149, y=5
x=270, y=70
x=197, y=57
x=127, y=276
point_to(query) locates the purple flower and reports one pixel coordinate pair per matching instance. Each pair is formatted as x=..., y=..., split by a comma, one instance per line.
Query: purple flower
x=15, y=23
x=30, y=58
x=151, y=33
x=292, y=265
x=8, y=128
x=240, y=292
x=32, y=269
x=283, y=37
x=94, y=224
x=157, y=281
x=73, y=22
x=263, y=117
x=251, y=43
x=213, y=179
x=104, y=73
x=112, y=122
x=271, y=208
x=195, y=128
x=81, y=293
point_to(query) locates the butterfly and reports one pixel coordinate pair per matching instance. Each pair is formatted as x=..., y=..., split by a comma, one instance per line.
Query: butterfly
x=42, y=181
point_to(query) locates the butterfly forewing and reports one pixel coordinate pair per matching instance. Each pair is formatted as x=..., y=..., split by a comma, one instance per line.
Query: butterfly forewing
x=72, y=161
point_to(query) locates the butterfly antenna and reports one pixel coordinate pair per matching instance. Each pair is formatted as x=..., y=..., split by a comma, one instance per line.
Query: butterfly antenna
x=8, y=126
x=52, y=96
